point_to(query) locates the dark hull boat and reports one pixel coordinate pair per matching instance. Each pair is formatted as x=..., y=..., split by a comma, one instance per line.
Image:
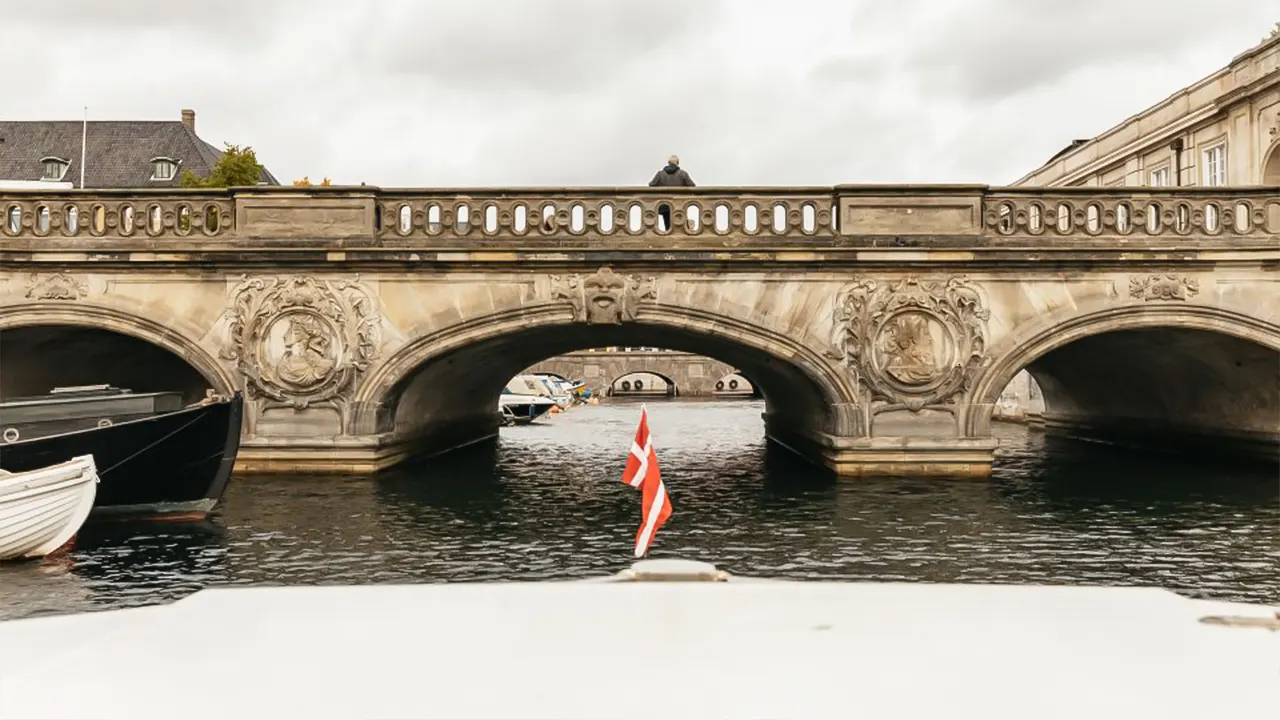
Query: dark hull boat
x=155, y=458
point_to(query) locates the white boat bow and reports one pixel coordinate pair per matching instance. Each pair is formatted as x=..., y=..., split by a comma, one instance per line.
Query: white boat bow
x=638, y=647
x=42, y=510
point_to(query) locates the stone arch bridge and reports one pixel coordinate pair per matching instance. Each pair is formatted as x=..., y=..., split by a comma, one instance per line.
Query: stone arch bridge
x=691, y=375
x=880, y=323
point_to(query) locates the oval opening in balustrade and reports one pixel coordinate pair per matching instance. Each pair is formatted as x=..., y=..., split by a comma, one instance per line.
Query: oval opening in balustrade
x=98, y=220
x=43, y=221
x=155, y=220
x=693, y=218
x=434, y=221
x=1124, y=217
x=71, y=220
x=212, y=220
x=751, y=218
x=1064, y=224
x=489, y=223
x=13, y=220
x=1151, y=214
x=1004, y=218
x=577, y=218
x=1093, y=218
x=126, y=220
x=1182, y=219
x=1243, y=217
x=635, y=218
x=404, y=219
x=1035, y=218
x=721, y=218
x=607, y=214
x=835, y=218
x=808, y=219
x=779, y=218
x=520, y=219
x=462, y=219
x=548, y=223
x=182, y=220
x=1212, y=218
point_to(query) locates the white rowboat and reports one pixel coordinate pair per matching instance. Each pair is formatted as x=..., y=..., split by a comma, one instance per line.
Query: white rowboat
x=42, y=510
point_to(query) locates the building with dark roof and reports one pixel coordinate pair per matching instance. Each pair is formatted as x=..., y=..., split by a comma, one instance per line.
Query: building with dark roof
x=118, y=153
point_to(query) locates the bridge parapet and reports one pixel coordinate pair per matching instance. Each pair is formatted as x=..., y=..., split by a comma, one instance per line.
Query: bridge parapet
x=926, y=217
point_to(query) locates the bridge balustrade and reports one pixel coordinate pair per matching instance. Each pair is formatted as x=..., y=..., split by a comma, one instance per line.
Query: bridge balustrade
x=920, y=216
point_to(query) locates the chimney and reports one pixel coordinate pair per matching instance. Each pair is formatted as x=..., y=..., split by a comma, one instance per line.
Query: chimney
x=189, y=119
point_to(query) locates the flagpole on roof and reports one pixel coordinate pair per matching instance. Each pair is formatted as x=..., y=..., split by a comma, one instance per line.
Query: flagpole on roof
x=84, y=139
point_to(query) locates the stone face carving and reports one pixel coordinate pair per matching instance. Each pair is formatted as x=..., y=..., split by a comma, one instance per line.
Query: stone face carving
x=911, y=342
x=1163, y=287
x=300, y=341
x=57, y=286
x=604, y=297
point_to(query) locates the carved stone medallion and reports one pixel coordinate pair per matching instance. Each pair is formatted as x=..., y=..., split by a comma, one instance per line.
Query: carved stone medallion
x=1163, y=287
x=912, y=342
x=55, y=286
x=604, y=297
x=299, y=340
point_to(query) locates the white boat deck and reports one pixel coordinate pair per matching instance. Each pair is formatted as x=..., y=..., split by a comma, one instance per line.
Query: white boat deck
x=653, y=650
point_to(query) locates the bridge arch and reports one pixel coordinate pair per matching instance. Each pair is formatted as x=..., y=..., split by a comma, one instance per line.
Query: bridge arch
x=1182, y=366
x=617, y=383
x=170, y=337
x=456, y=373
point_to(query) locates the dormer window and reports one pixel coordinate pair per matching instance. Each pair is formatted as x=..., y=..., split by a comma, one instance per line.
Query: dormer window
x=54, y=168
x=163, y=168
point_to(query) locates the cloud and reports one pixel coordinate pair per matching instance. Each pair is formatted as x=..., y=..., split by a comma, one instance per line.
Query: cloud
x=548, y=47
x=573, y=92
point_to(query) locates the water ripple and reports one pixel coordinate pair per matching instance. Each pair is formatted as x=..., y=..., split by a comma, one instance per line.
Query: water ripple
x=546, y=502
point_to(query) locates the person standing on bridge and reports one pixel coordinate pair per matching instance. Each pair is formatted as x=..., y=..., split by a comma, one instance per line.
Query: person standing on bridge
x=670, y=176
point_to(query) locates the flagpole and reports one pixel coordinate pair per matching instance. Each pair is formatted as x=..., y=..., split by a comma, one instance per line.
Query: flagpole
x=84, y=139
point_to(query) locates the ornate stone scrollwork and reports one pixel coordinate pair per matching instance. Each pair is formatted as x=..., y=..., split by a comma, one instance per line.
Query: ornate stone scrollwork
x=301, y=341
x=604, y=297
x=1163, y=287
x=56, y=286
x=912, y=342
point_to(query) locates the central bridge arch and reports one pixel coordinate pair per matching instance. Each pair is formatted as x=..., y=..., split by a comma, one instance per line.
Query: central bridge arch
x=442, y=388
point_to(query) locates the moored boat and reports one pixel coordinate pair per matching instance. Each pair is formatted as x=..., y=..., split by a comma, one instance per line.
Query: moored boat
x=41, y=510
x=522, y=401
x=155, y=459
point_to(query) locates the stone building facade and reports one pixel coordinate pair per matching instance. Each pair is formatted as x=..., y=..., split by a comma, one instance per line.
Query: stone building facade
x=1222, y=130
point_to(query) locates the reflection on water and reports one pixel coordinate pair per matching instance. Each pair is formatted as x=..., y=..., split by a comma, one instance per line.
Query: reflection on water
x=547, y=501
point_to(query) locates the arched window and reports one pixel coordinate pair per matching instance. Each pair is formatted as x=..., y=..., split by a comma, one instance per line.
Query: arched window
x=54, y=168
x=163, y=168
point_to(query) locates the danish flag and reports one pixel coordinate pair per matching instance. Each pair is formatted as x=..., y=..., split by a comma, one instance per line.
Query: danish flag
x=642, y=472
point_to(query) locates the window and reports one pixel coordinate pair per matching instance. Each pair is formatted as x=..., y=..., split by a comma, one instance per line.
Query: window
x=1215, y=166
x=163, y=168
x=1160, y=177
x=54, y=168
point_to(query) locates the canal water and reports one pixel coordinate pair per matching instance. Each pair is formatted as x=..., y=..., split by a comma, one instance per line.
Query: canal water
x=546, y=501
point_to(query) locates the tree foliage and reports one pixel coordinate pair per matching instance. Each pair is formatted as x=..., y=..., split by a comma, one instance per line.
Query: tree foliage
x=238, y=167
x=306, y=182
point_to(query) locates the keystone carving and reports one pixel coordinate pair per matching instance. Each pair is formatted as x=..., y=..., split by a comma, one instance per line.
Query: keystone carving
x=912, y=342
x=1163, y=287
x=301, y=341
x=57, y=286
x=604, y=297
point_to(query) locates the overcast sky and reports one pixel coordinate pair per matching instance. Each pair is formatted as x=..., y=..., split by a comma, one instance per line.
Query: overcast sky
x=599, y=92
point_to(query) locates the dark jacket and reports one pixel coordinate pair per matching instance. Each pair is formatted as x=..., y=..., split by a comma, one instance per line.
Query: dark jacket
x=671, y=176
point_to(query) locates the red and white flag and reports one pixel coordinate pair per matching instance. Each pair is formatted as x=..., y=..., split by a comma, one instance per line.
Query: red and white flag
x=642, y=472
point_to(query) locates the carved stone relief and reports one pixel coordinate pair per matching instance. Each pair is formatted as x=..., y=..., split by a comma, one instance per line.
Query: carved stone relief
x=301, y=341
x=1163, y=287
x=56, y=286
x=604, y=297
x=912, y=342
